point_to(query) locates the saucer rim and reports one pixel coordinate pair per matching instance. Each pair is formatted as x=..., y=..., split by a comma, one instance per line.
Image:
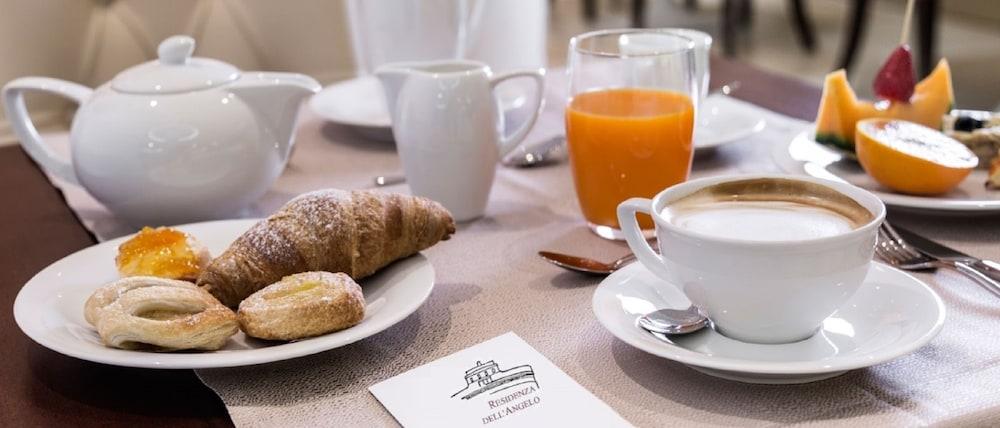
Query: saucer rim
x=760, y=124
x=835, y=364
x=316, y=101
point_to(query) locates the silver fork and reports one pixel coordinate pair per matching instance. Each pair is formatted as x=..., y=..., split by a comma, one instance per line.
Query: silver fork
x=893, y=249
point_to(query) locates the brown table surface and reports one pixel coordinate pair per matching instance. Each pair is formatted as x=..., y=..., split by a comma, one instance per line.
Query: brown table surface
x=41, y=387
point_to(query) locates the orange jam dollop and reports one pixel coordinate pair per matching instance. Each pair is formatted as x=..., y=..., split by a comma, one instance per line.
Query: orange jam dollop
x=161, y=252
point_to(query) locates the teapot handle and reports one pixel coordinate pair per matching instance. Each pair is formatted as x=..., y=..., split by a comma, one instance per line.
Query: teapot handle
x=17, y=113
x=538, y=76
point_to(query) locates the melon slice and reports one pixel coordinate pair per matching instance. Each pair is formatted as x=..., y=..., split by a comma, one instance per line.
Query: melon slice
x=840, y=110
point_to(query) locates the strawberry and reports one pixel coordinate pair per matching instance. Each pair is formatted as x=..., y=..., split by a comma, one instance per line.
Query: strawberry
x=896, y=79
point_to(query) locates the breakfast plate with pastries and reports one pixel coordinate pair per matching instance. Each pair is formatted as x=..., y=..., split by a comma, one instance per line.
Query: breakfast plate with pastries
x=329, y=268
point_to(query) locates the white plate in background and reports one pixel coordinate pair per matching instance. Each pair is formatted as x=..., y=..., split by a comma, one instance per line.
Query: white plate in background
x=359, y=103
x=721, y=121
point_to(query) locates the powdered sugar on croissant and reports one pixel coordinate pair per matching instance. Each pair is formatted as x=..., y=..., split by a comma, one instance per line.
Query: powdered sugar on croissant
x=355, y=232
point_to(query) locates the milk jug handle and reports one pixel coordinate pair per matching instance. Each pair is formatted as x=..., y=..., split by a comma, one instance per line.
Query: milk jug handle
x=17, y=114
x=507, y=144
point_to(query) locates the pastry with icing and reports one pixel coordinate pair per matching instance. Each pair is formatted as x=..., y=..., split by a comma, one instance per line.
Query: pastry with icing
x=303, y=305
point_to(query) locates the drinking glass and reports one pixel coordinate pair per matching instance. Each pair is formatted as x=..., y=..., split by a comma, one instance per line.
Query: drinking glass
x=630, y=115
x=702, y=49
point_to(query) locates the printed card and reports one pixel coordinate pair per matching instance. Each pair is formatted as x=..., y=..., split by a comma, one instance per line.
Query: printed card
x=500, y=382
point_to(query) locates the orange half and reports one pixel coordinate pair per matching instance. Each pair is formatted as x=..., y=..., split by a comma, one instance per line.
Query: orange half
x=911, y=158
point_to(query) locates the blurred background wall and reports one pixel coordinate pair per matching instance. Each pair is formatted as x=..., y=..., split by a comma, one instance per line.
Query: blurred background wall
x=89, y=41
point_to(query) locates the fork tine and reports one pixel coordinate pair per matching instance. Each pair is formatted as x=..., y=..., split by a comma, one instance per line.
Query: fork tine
x=888, y=251
x=906, y=249
x=882, y=254
x=886, y=241
x=894, y=250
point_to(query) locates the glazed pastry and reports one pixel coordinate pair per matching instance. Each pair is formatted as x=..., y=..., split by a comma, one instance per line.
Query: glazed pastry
x=302, y=305
x=355, y=232
x=163, y=252
x=145, y=312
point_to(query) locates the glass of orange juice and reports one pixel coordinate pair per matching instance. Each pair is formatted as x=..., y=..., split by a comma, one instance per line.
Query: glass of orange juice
x=629, y=118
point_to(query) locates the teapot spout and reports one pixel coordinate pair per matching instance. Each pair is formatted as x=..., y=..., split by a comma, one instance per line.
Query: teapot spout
x=275, y=99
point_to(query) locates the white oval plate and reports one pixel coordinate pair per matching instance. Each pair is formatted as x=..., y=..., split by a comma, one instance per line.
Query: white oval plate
x=803, y=155
x=721, y=121
x=49, y=308
x=891, y=315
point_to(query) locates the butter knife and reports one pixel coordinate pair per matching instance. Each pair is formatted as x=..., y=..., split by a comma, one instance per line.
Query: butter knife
x=941, y=251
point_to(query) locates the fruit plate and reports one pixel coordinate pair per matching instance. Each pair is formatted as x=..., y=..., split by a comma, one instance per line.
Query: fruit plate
x=49, y=308
x=803, y=155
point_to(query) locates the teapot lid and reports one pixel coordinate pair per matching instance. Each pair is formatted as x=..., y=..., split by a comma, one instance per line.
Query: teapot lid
x=175, y=71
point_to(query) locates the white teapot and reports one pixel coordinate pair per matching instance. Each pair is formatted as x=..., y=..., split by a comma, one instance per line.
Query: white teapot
x=174, y=140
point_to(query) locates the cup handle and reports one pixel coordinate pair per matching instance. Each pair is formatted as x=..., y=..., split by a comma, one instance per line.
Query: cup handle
x=507, y=144
x=17, y=112
x=636, y=241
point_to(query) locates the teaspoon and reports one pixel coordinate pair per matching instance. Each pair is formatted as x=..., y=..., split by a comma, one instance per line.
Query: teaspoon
x=727, y=89
x=539, y=154
x=674, y=321
x=586, y=265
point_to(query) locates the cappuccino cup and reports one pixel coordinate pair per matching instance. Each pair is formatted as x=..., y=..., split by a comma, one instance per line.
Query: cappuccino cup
x=766, y=257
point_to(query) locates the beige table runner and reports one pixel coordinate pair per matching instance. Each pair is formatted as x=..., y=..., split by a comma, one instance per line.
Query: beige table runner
x=489, y=281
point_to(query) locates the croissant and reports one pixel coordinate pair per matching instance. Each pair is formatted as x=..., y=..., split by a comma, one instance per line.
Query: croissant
x=355, y=232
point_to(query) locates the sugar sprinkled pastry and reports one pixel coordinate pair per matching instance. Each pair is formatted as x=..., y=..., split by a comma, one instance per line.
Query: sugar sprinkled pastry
x=159, y=314
x=355, y=232
x=303, y=305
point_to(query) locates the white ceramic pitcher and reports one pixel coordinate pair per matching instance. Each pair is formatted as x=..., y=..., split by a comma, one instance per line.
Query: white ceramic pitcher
x=448, y=129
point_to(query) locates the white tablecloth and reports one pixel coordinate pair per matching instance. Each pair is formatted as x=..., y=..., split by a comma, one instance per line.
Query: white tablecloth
x=490, y=281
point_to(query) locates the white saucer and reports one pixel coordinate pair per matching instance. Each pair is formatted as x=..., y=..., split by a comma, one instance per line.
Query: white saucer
x=892, y=315
x=722, y=121
x=803, y=155
x=359, y=103
x=49, y=308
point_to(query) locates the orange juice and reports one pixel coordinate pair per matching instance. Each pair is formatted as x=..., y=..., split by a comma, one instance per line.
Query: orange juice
x=626, y=143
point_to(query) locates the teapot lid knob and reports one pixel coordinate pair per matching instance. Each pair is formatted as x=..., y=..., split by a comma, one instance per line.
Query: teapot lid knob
x=176, y=50
x=175, y=71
